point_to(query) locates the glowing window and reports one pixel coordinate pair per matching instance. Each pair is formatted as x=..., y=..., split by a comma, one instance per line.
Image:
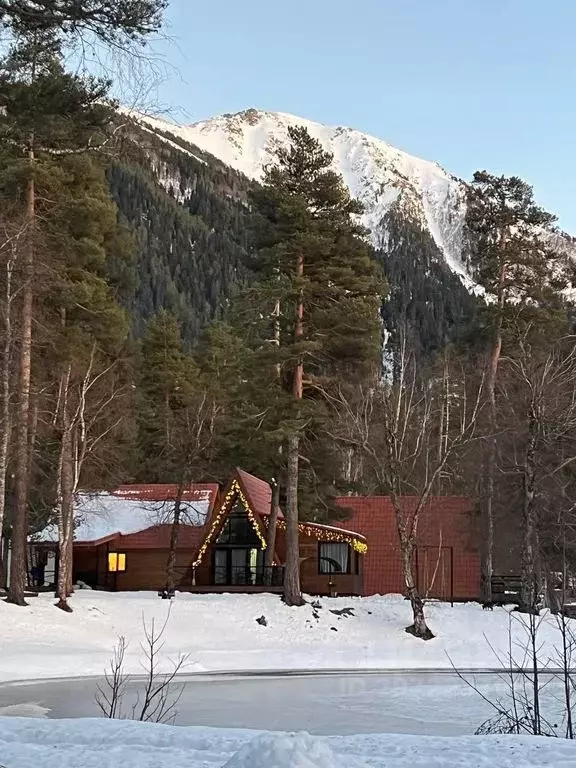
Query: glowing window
x=116, y=562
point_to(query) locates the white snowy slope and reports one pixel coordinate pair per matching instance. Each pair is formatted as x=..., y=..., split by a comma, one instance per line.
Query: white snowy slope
x=40, y=641
x=376, y=173
x=28, y=743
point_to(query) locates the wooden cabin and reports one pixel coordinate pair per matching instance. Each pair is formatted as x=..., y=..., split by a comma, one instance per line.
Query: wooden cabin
x=122, y=537
x=122, y=542
x=232, y=552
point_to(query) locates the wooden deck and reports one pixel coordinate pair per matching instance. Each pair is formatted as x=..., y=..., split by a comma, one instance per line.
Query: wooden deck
x=219, y=589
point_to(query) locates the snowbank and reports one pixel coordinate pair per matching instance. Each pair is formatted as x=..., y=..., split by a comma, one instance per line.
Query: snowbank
x=27, y=743
x=220, y=633
x=290, y=750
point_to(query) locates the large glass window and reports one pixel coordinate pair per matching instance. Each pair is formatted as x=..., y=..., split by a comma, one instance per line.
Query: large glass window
x=333, y=557
x=238, y=566
x=238, y=529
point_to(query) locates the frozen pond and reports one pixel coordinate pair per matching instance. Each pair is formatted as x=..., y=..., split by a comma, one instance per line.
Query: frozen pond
x=414, y=703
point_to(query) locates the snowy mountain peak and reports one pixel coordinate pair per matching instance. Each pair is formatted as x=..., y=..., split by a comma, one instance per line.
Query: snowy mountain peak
x=376, y=173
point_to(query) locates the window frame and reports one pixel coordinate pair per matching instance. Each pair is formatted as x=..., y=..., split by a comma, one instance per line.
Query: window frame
x=237, y=514
x=321, y=559
x=119, y=561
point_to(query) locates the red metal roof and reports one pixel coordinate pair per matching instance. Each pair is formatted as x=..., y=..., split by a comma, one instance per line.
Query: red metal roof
x=446, y=520
x=257, y=491
x=167, y=492
x=158, y=537
x=259, y=494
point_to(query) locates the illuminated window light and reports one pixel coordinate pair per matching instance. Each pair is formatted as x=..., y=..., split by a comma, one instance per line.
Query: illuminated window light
x=116, y=562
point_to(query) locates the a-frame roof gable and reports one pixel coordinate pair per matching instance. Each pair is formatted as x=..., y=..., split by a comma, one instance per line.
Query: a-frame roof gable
x=253, y=493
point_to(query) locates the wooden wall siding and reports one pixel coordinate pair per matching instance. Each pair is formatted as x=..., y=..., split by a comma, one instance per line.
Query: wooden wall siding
x=85, y=560
x=315, y=583
x=446, y=565
x=204, y=570
x=146, y=569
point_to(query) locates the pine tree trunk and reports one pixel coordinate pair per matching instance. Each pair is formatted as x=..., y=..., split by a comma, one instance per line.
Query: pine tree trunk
x=275, y=501
x=5, y=408
x=32, y=431
x=292, y=590
x=271, y=533
x=66, y=503
x=298, y=380
x=272, y=525
x=174, y=536
x=488, y=560
x=18, y=562
x=488, y=563
x=529, y=581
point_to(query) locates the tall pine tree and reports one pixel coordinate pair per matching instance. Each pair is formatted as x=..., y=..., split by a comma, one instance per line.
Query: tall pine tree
x=513, y=257
x=319, y=300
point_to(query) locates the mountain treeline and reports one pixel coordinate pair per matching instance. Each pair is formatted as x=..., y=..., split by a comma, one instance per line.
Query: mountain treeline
x=164, y=319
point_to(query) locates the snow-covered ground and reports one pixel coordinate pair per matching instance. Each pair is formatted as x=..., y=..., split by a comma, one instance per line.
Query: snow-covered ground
x=28, y=743
x=220, y=633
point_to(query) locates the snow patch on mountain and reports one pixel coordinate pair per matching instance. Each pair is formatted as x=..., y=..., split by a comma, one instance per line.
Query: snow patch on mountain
x=376, y=173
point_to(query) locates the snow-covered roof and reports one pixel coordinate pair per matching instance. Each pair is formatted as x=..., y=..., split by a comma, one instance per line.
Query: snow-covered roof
x=130, y=509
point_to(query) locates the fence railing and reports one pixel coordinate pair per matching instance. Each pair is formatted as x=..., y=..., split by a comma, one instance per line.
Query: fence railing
x=246, y=576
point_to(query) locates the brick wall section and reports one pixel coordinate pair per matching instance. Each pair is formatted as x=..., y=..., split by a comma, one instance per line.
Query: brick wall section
x=447, y=561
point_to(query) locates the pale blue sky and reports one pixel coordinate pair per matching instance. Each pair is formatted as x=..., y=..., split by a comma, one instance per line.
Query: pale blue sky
x=469, y=83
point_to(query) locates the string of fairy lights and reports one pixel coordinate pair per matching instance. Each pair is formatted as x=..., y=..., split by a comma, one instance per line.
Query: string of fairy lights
x=234, y=491
x=314, y=531
x=327, y=534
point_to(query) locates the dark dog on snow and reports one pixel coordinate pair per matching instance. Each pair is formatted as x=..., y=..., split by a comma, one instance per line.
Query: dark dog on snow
x=488, y=606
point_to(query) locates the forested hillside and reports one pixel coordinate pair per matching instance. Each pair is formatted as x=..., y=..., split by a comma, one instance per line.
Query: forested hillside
x=164, y=318
x=191, y=219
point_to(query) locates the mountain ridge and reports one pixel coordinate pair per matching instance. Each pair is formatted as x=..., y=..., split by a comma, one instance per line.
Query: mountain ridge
x=378, y=174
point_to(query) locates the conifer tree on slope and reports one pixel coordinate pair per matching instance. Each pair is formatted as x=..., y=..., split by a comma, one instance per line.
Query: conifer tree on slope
x=38, y=28
x=513, y=259
x=45, y=112
x=309, y=243
x=87, y=328
x=177, y=418
x=118, y=22
x=47, y=116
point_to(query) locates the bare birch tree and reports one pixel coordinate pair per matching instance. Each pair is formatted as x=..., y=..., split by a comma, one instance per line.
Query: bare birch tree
x=411, y=433
x=85, y=416
x=539, y=408
x=196, y=428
